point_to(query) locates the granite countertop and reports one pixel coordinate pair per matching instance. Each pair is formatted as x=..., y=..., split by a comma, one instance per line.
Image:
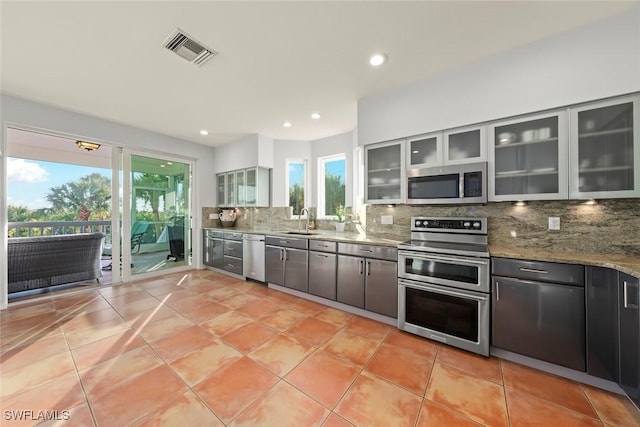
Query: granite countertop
x=629, y=264
x=330, y=235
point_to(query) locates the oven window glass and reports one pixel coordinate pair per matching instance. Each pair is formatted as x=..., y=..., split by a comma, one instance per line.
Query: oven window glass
x=442, y=270
x=434, y=187
x=453, y=316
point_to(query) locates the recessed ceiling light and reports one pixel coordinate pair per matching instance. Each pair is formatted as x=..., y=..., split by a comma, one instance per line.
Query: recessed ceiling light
x=315, y=116
x=378, y=59
x=287, y=124
x=204, y=132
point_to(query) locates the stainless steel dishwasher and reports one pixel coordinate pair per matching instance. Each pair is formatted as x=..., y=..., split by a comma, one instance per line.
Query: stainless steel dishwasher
x=538, y=310
x=253, y=256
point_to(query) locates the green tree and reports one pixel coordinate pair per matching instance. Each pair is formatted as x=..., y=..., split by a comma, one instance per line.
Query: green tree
x=296, y=198
x=150, y=188
x=334, y=193
x=90, y=193
x=18, y=213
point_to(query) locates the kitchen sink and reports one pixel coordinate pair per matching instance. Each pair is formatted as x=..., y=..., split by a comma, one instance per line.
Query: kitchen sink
x=301, y=233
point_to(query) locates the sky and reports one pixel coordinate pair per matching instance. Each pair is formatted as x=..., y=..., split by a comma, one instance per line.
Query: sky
x=29, y=181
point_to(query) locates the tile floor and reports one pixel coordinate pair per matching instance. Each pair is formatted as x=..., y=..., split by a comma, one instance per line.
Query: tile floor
x=203, y=349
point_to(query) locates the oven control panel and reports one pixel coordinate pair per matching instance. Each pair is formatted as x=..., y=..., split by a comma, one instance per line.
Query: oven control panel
x=448, y=225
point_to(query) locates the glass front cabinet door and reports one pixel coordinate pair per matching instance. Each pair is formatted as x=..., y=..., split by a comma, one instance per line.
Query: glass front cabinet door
x=240, y=188
x=465, y=145
x=528, y=158
x=231, y=188
x=605, y=147
x=221, y=193
x=384, y=172
x=424, y=151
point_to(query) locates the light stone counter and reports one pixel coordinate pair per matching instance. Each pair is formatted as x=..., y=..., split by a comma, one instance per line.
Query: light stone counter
x=629, y=264
x=317, y=235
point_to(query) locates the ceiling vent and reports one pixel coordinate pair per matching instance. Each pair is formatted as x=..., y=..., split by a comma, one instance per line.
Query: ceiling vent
x=182, y=45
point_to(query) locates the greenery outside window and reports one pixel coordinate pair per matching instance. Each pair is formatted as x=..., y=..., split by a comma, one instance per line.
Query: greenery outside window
x=332, y=172
x=295, y=184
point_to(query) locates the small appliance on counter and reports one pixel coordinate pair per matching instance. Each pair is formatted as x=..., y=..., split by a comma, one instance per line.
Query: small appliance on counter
x=227, y=217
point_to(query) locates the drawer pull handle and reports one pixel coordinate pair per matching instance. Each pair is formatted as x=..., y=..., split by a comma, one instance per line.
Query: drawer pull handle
x=366, y=250
x=533, y=270
x=497, y=291
x=626, y=302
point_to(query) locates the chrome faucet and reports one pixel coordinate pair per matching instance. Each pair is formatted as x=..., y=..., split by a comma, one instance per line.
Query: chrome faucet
x=302, y=211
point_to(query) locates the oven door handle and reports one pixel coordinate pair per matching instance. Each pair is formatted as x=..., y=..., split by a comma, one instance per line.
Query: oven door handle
x=468, y=261
x=439, y=290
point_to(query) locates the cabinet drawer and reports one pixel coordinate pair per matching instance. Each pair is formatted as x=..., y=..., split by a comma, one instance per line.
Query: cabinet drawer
x=369, y=251
x=322, y=246
x=570, y=274
x=232, y=235
x=214, y=234
x=233, y=248
x=233, y=264
x=288, y=242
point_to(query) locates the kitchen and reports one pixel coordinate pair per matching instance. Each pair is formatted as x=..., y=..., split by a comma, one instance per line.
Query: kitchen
x=490, y=94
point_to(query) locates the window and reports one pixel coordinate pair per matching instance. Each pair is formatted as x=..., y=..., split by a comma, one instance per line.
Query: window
x=295, y=184
x=332, y=172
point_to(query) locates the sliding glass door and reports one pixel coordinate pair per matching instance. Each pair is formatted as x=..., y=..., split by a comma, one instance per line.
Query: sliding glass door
x=157, y=212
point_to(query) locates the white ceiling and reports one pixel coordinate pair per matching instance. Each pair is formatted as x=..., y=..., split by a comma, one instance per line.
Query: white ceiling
x=278, y=61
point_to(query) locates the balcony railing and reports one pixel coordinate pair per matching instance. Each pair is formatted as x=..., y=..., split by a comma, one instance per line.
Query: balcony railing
x=54, y=228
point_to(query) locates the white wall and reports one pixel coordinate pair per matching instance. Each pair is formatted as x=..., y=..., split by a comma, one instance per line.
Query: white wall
x=282, y=150
x=239, y=154
x=591, y=62
x=20, y=113
x=343, y=143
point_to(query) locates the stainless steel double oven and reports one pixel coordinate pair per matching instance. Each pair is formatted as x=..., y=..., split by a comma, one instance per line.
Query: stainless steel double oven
x=443, y=282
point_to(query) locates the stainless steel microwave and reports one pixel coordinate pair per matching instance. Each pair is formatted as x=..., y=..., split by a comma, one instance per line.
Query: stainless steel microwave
x=453, y=184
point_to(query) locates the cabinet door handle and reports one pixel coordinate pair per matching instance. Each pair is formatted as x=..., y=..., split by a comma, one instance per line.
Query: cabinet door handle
x=368, y=268
x=533, y=270
x=361, y=266
x=286, y=254
x=323, y=256
x=281, y=254
x=497, y=291
x=625, y=284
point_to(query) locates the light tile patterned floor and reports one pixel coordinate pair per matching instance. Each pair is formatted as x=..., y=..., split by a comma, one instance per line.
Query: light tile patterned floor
x=203, y=349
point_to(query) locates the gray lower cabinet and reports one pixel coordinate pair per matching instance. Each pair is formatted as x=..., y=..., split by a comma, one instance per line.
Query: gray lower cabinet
x=213, y=244
x=629, y=302
x=287, y=262
x=322, y=274
x=274, y=265
x=350, y=283
x=381, y=287
x=538, y=310
x=602, y=323
x=233, y=252
x=367, y=282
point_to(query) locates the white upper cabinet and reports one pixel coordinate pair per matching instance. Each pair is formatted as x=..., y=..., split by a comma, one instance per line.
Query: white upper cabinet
x=465, y=145
x=221, y=189
x=385, y=177
x=424, y=151
x=605, y=149
x=528, y=157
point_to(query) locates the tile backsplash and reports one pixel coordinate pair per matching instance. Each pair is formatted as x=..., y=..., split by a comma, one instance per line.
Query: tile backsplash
x=610, y=226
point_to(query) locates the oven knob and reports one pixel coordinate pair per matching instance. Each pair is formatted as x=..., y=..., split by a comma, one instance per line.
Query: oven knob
x=418, y=223
x=467, y=224
x=476, y=224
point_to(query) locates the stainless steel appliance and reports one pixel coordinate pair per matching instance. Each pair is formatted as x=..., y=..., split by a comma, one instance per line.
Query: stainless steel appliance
x=253, y=256
x=443, y=282
x=466, y=183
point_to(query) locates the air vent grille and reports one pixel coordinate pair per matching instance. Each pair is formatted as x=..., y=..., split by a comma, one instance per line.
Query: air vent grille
x=188, y=48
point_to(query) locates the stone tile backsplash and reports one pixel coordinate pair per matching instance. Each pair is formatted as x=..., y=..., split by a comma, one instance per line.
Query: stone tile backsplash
x=611, y=226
